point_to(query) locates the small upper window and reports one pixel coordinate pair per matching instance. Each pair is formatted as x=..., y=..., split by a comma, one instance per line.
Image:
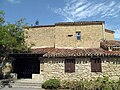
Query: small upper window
x=78, y=35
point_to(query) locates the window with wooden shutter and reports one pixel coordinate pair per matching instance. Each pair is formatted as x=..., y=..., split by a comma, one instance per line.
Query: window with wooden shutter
x=70, y=65
x=96, y=65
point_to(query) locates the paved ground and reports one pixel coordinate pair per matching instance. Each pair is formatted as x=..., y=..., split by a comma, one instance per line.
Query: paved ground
x=6, y=88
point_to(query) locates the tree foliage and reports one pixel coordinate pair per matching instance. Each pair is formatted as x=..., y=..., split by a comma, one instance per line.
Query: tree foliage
x=36, y=22
x=12, y=38
x=1, y=17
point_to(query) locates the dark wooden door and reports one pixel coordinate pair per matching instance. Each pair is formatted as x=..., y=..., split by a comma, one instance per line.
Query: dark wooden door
x=96, y=65
x=25, y=67
x=70, y=65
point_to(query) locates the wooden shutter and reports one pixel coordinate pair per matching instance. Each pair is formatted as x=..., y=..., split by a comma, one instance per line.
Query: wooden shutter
x=96, y=65
x=70, y=65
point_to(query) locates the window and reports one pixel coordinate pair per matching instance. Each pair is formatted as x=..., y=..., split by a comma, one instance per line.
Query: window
x=70, y=35
x=78, y=35
x=115, y=48
x=70, y=65
x=96, y=65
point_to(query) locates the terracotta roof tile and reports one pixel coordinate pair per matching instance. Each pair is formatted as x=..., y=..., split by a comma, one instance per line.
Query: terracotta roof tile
x=112, y=53
x=70, y=24
x=41, y=26
x=56, y=52
x=109, y=31
x=108, y=43
x=79, y=23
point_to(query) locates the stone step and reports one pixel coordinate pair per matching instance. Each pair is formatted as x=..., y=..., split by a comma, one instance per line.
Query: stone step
x=26, y=84
x=27, y=80
x=14, y=86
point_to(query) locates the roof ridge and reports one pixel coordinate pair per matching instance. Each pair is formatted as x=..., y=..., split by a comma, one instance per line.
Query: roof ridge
x=70, y=23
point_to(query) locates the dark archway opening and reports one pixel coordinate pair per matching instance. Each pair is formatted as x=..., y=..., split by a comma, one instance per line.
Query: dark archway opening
x=24, y=65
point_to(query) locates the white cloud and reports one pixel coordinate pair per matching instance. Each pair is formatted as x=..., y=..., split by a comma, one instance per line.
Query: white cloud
x=117, y=33
x=13, y=1
x=75, y=10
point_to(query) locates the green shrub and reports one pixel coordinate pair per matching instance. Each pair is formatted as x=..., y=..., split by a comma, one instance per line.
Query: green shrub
x=65, y=84
x=51, y=84
x=101, y=83
x=72, y=85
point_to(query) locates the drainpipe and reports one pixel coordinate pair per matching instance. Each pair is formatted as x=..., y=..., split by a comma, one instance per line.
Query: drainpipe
x=54, y=38
x=103, y=30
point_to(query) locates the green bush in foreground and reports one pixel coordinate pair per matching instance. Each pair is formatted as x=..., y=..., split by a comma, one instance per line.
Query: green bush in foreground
x=51, y=84
x=101, y=83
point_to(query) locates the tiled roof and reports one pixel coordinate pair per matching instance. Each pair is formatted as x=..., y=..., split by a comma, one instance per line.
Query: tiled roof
x=109, y=31
x=112, y=53
x=108, y=43
x=73, y=52
x=43, y=50
x=41, y=26
x=57, y=52
x=80, y=23
x=70, y=24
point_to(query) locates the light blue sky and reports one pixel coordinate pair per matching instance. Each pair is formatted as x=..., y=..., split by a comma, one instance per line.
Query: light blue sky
x=52, y=11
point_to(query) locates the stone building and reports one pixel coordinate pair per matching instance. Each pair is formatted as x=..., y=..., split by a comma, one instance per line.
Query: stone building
x=69, y=50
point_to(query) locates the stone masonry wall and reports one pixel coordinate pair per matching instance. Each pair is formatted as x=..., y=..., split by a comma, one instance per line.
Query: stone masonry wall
x=90, y=36
x=54, y=68
x=111, y=66
x=109, y=36
x=58, y=36
x=40, y=37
